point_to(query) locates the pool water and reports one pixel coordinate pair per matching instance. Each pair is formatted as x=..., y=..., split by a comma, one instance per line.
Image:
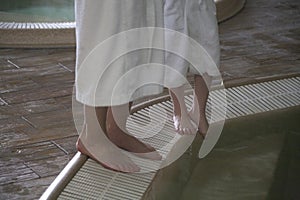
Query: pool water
x=257, y=157
x=37, y=10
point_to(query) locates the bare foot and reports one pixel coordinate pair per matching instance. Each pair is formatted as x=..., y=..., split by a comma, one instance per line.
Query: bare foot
x=201, y=122
x=183, y=125
x=201, y=93
x=107, y=155
x=129, y=142
x=181, y=120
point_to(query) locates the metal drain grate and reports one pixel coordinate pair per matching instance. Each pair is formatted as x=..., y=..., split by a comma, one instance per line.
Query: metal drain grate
x=94, y=182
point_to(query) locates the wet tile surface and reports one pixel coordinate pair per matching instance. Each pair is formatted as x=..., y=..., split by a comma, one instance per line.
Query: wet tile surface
x=37, y=132
x=261, y=41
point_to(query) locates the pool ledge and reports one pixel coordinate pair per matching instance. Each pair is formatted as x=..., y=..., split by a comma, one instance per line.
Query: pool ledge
x=57, y=35
x=32, y=35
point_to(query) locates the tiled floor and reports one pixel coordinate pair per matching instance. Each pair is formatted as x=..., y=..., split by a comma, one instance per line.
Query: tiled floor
x=37, y=132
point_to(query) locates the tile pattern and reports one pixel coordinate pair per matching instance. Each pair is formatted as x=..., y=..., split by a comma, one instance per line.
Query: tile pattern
x=37, y=132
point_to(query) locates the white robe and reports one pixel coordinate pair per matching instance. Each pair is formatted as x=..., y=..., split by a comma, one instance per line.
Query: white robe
x=98, y=20
x=196, y=19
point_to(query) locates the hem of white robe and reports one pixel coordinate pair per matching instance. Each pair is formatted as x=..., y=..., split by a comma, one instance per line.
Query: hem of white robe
x=120, y=100
x=175, y=82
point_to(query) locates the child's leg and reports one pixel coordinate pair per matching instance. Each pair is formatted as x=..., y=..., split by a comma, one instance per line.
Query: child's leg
x=197, y=113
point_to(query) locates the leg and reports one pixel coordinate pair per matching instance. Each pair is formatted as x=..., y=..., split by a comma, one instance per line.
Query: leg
x=181, y=118
x=94, y=143
x=197, y=113
x=117, y=133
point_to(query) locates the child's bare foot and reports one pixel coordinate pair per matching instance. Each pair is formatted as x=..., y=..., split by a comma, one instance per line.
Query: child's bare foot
x=183, y=125
x=107, y=155
x=200, y=120
x=181, y=120
x=127, y=141
x=201, y=92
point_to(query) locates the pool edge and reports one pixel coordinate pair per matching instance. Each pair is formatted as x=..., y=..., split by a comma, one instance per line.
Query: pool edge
x=37, y=38
x=62, y=34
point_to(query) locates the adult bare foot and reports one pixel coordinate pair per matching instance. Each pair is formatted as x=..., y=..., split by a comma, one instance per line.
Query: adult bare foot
x=94, y=143
x=107, y=155
x=120, y=137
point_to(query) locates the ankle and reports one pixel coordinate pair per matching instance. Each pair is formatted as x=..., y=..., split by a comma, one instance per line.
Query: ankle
x=176, y=114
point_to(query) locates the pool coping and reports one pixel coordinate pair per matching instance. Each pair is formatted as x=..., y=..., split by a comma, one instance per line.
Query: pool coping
x=37, y=35
x=62, y=34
